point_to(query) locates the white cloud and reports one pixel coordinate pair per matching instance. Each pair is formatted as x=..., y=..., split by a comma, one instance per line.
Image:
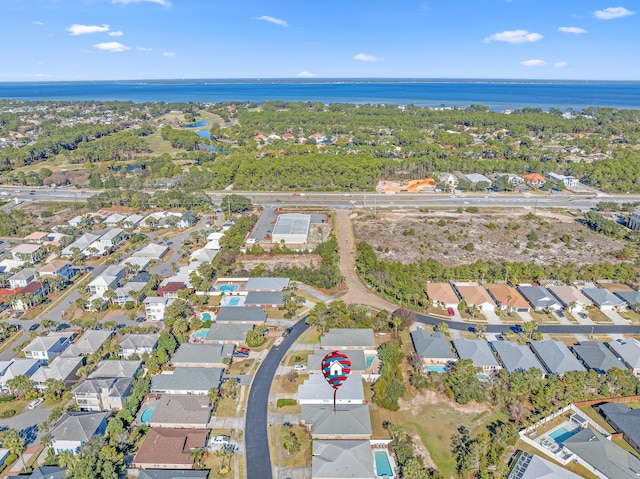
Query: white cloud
x=143, y=49
x=561, y=64
x=164, y=3
x=112, y=46
x=363, y=57
x=38, y=23
x=514, y=36
x=275, y=21
x=574, y=30
x=305, y=74
x=612, y=12
x=533, y=63
x=115, y=34
x=168, y=54
x=77, y=29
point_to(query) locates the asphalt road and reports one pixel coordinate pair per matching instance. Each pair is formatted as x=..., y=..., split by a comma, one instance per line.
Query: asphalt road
x=256, y=435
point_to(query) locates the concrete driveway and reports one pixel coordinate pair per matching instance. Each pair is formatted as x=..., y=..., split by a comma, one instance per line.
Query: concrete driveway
x=26, y=423
x=615, y=317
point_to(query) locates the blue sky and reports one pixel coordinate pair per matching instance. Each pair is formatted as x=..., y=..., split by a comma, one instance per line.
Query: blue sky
x=57, y=40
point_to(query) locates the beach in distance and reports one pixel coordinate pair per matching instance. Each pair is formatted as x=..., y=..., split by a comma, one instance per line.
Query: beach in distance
x=497, y=94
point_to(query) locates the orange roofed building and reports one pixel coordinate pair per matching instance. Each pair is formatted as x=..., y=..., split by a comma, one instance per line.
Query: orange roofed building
x=166, y=448
x=442, y=294
x=508, y=298
x=535, y=179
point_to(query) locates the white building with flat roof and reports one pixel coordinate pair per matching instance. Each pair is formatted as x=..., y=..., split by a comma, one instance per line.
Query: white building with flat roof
x=291, y=228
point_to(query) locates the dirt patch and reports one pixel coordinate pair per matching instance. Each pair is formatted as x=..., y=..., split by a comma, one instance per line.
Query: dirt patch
x=420, y=451
x=250, y=262
x=455, y=237
x=47, y=215
x=429, y=397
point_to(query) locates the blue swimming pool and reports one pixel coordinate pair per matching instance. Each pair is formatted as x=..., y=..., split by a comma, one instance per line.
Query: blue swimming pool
x=436, y=369
x=383, y=466
x=369, y=361
x=482, y=377
x=202, y=333
x=205, y=316
x=234, y=301
x=145, y=417
x=562, y=434
x=228, y=287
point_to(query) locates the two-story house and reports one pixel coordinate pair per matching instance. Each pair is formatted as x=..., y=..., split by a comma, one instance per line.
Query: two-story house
x=154, y=307
x=73, y=429
x=58, y=268
x=30, y=253
x=103, y=394
x=45, y=348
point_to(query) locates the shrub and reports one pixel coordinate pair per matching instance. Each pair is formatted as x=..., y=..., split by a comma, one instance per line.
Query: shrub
x=282, y=402
x=7, y=413
x=11, y=458
x=7, y=398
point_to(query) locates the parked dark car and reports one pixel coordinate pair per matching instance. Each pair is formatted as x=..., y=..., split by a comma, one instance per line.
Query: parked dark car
x=34, y=326
x=62, y=326
x=287, y=331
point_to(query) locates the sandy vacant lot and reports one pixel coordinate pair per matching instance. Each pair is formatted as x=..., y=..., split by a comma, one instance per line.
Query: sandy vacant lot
x=459, y=237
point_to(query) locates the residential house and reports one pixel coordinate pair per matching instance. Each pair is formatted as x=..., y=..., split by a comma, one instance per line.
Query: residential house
x=170, y=289
x=342, y=459
x=132, y=220
x=556, y=357
x=180, y=412
x=101, y=285
x=448, y=179
x=432, y=348
x=60, y=369
x=22, y=278
x=155, y=307
x=634, y=219
x=346, y=421
x=96, y=250
x=265, y=299
x=129, y=293
x=567, y=181
x=38, y=237
x=113, y=237
x=202, y=255
x=16, y=367
x=516, y=357
x=267, y=284
x=604, y=299
x=601, y=455
x=570, y=298
x=227, y=333
x=78, y=221
x=152, y=251
x=187, y=220
x=203, y=356
x=241, y=315
x=137, y=262
x=31, y=295
x=442, y=294
x=114, y=220
x=478, y=351
x=508, y=298
x=167, y=448
x=632, y=298
x=173, y=474
x=359, y=362
x=48, y=472
x=532, y=466
x=88, y=343
x=58, y=269
x=515, y=180
x=196, y=381
x=46, y=348
x=103, y=394
x=10, y=266
x=477, y=178
x=628, y=349
x=539, y=298
x=30, y=253
x=596, y=356
x=73, y=429
x=137, y=344
x=81, y=245
x=623, y=420
x=349, y=339
x=475, y=295
x=534, y=179
x=315, y=391
x=116, y=369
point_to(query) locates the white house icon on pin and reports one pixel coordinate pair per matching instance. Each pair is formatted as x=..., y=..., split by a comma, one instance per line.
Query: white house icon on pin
x=336, y=369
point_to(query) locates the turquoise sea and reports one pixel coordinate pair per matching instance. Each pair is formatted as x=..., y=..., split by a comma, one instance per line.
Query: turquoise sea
x=496, y=94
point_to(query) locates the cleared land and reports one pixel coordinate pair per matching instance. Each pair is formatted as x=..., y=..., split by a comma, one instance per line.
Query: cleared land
x=455, y=237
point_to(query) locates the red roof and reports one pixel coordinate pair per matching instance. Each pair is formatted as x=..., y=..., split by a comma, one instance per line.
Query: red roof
x=33, y=287
x=534, y=177
x=7, y=292
x=171, y=287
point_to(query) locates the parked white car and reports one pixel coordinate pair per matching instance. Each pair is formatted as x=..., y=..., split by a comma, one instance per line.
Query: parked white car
x=299, y=367
x=35, y=403
x=220, y=440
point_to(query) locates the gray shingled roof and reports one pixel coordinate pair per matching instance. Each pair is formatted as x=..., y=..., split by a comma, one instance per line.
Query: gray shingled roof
x=47, y=472
x=623, y=419
x=431, y=346
x=603, y=297
x=202, y=353
x=341, y=459
x=530, y=466
x=515, y=356
x=187, y=379
x=344, y=420
x=77, y=426
x=345, y=337
x=134, y=341
x=356, y=356
x=539, y=297
x=265, y=297
x=629, y=350
x=595, y=355
x=88, y=343
x=228, y=332
x=172, y=474
x=60, y=368
x=267, y=284
x=604, y=455
x=317, y=388
x=630, y=297
x=477, y=350
x=181, y=409
x=250, y=314
x=556, y=357
x=116, y=386
x=116, y=369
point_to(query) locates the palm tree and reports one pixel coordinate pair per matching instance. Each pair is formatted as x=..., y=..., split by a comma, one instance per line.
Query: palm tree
x=12, y=441
x=197, y=455
x=65, y=458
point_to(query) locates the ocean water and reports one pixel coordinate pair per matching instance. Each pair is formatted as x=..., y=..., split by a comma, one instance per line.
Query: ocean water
x=496, y=94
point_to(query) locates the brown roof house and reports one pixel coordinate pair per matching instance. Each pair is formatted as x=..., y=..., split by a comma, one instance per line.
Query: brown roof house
x=476, y=295
x=168, y=448
x=442, y=294
x=508, y=298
